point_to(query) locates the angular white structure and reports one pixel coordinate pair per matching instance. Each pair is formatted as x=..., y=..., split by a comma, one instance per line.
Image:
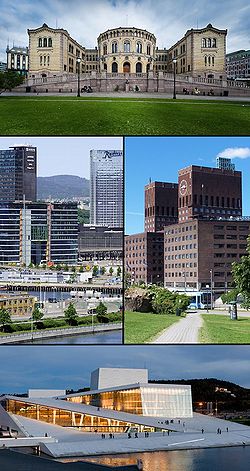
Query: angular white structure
x=103, y=378
x=46, y=392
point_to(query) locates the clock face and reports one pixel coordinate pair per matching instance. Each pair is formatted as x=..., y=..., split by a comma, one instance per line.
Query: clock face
x=183, y=187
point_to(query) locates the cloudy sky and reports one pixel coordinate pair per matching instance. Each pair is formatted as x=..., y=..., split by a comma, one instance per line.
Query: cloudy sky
x=84, y=20
x=63, y=155
x=160, y=158
x=24, y=367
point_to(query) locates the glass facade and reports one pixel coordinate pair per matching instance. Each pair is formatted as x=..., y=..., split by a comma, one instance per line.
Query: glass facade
x=64, y=418
x=171, y=401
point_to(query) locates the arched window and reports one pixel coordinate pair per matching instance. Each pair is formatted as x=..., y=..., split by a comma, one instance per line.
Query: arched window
x=114, y=68
x=44, y=60
x=209, y=60
x=139, y=48
x=40, y=42
x=205, y=58
x=50, y=42
x=44, y=42
x=48, y=60
x=114, y=48
x=41, y=60
x=212, y=60
x=148, y=50
x=138, y=68
x=105, y=66
x=203, y=42
x=105, y=49
x=126, y=68
x=126, y=46
x=209, y=42
x=214, y=42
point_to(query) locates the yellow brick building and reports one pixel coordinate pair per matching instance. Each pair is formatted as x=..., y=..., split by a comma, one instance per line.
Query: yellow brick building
x=16, y=304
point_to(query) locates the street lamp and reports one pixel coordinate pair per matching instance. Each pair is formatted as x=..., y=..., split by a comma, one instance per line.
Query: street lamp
x=174, y=62
x=78, y=60
x=207, y=288
x=211, y=287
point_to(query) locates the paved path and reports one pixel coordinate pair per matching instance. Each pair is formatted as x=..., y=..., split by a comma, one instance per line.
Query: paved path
x=184, y=331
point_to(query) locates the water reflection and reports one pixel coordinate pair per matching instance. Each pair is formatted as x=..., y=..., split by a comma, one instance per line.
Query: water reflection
x=222, y=459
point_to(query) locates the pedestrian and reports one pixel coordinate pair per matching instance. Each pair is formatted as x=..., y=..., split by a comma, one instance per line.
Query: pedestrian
x=136, y=435
x=104, y=436
x=140, y=465
x=168, y=433
x=227, y=429
x=129, y=435
x=113, y=436
x=202, y=431
x=163, y=433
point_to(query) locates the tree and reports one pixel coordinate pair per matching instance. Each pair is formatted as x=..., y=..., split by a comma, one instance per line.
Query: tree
x=127, y=280
x=5, y=318
x=101, y=313
x=83, y=216
x=71, y=314
x=241, y=276
x=119, y=271
x=230, y=296
x=111, y=271
x=102, y=270
x=95, y=270
x=10, y=79
x=37, y=315
x=81, y=269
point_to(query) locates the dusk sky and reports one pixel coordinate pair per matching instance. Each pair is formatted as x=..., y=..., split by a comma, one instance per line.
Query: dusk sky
x=24, y=367
x=160, y=158
x=63, y=155
x=84, y=20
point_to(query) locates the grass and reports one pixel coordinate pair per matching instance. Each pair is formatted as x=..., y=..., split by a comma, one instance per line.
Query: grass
x=41, y=115
x=141, y=327
x=221, y=329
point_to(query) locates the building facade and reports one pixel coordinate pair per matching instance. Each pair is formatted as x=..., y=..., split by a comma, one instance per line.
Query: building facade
x=209, y=192
x=18, y=304
x=144, y=257
x=106, y=188
x=39, y=233
x=238, y=64
x=100, y=243
x=18, y=174
x=127, y=50
x=161, y=205
x=18, y=59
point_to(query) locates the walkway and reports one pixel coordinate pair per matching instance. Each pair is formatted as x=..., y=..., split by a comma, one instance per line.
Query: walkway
x=184, y=331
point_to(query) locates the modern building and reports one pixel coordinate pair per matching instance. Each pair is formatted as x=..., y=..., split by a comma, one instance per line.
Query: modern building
x=144, y=254
x=18, y=174
x=161, y=205
x=116, y=408
x=3, y=66
x=106, y=188
x=18, y=59
x=224, y=163
x=200, y=52
x=238, y=64
x=18, y=304
x=100, y=242
x=39, y=233
x=209, y=192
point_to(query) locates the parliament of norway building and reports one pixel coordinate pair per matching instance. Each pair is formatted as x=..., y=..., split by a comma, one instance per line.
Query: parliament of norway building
x=125, y=59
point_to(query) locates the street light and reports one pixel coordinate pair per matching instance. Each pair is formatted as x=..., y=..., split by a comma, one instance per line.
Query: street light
x=78, y=60
x=211, y=287
x=174, y=62
x=207, y=287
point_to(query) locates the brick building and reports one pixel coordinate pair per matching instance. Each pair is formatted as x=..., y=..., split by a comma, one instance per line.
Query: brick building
x=144, y=257
x=161, y=205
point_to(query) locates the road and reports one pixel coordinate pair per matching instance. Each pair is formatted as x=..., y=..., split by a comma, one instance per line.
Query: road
x=184, y=331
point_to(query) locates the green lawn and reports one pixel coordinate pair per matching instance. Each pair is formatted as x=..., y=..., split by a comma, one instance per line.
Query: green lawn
x=50, y=115
x=142, y=327
x=221, y=329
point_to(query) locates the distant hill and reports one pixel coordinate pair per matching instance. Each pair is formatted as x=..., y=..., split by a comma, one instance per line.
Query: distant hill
x=62, y=187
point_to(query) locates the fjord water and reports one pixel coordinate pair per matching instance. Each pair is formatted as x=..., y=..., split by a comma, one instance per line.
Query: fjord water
x=209, y=459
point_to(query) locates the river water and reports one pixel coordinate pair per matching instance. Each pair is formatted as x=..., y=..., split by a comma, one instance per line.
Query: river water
x=110, y=337
x=212, y=459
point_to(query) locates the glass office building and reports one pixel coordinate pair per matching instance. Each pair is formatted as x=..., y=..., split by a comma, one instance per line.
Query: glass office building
x=106, y=188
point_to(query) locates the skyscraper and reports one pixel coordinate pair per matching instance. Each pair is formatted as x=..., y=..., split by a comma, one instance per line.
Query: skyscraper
x=18, y=174
x=106, y=188
x=161, y=205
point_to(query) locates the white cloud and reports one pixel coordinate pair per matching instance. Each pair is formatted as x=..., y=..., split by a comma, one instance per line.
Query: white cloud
x=235, y=153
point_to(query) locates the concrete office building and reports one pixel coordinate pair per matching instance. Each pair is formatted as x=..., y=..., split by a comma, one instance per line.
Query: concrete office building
x=238, y=65
x=161, y=205
x=100, y=243
x=39, y=233
x=106, y=188
x=224, y=163
x=18, y=174
x=18, y=59
x=144, y=254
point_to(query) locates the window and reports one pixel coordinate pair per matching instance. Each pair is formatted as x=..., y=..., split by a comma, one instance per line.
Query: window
x=214, y=42
x=203, y=42
x=40, y=42
x=105, y=49
x=127, y=46
x=148, y=50
x=139, y=48
x=44, y=60
x=44, y=42
x=41, y=60
x=209, y=42
x=114, y=48
x=114, y=68
x=138, y=68
x=50, y=42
